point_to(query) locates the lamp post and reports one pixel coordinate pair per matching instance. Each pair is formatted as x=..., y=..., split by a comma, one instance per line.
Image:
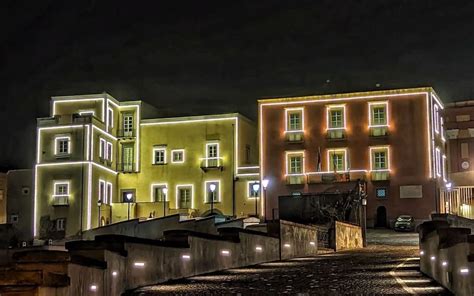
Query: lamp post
x=129, y=197
x=212, y=187
x=99, y=204
x=256, y=189
x=165, y=193
x=265, y=185
x=364, y=221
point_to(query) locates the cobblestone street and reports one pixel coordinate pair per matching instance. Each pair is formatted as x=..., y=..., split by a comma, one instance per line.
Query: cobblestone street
x=376, y=270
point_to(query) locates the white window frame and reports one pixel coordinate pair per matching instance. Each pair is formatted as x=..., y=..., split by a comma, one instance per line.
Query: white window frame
x=87, y=112
x=436, y=118
x=191, y=186
x=102, y=191
x=250, y=189
x=108, y=193
x=373, y=105
x=110, y=117
x=177, y=151
x=329, y=108
x=288, y=112
x=59, y=183
x=442, y=129
x=445, y=179
x=372, y=151
x=159, y=149
x=109, y=152
x=290, y=154
x=102, y=148
x=438, y=162
x=329, y=155
x=60, y=222
x=207, y=192
x=57, y=141
x=158, y=185
x=127, y=127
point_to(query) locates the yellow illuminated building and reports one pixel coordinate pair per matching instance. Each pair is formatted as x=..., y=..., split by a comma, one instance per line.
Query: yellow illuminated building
x=96, y=154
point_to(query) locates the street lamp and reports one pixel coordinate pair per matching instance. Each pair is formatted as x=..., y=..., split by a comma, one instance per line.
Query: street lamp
x=364, y=220
x=265, y=185
x=212, y=187
x=256, y=189
x=165, y=193
x=99, y=204
x=129, y=197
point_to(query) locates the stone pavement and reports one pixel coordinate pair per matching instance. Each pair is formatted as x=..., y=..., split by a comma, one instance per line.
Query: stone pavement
x=380, y=269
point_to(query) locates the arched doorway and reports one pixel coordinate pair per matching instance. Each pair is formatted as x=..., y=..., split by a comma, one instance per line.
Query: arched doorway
x=381, y=220
x=102, y=221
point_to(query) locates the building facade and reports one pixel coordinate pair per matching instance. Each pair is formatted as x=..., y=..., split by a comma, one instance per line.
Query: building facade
x=460, y=133
x=101, y=161
x=3, y=198
x=393, y=139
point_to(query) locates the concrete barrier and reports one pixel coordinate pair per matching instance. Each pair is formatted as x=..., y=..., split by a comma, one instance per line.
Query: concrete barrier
x=347, y=237
x=446, y=255
x=297, y=240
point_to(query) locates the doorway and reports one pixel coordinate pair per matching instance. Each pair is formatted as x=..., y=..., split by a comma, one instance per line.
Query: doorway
x=381, y=220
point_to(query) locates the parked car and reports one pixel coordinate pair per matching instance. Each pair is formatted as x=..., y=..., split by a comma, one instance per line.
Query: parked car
x=405, y=223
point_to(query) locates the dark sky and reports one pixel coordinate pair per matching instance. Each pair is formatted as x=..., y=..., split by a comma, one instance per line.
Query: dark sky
x=201, y=57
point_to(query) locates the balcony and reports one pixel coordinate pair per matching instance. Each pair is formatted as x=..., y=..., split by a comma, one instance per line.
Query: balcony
x=379, y=131
x=127, y=134
x=294, y=136
x=60, y=200
x=105, y=162
x=380, y=175
x=336, y=134
x=126, y=167
x=331, y=177
x=211, y=163
x=295, y=179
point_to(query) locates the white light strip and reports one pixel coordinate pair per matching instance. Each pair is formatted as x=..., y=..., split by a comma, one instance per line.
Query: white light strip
x=429, y=136
x=387, y=113
x=301, y=110
x=38, y=148
x=247, y=174
x=248, y=167
x=187, y=121
x=89, y=197
x=56, y=101
x=328, y=113
x=295, y=153
x=379, y=148
x=178, y=161
x=139, y=264
x=104, y=132
x=152, y=190
x=438, y=101
x=334, y=151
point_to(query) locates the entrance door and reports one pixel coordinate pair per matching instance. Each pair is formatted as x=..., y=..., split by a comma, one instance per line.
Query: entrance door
x=381, y=217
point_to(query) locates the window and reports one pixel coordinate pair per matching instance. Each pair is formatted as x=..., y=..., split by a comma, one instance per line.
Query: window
x=61, y=193
x=159, y=155
x=378, y=114
x=294, y=119
x=337, y=160
x=102, y=192
x=444, y=168
x=336, y=117
x=127, y=124
x=87, y=112
x=109, y=151
x=438, y=162
x=212, y=155
x=379, y=158
x=110, y=117
x=436, y=118
x=212, y=191
x=102, y=149
x=158, y=192
x=177, y=156
x=294, y=163
x=184, y=197
x=60, y=224
x=381, y=192
x=442, y=129
x=251, y=193
x=128, y=195
x=464, y=150
x=62, y=145
x=108, y=195
x=14, y=218
x=127, y=157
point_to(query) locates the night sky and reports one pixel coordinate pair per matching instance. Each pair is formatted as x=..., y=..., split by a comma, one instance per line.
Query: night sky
x=207, y=57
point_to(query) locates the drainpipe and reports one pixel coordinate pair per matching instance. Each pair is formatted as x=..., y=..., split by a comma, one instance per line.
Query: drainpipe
x=234, y=177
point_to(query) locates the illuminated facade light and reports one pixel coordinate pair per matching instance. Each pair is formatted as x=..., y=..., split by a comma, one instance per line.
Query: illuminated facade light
x=93, y=288
x=464, y=270
x=444, y=263
x=258, y=248
x=294, y=120
x=114, y=273
x=225, y=253
x=379, y=165
x=139, y=264
x=186, y=257
x=422, y=252
x=433, y=258
x=286, y=245
x=374, y=118
x=312, y=243
x=331, y=161
x=336, y=117
x=293, y=171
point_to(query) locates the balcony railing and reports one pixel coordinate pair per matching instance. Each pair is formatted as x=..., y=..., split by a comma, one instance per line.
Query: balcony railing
x=295, y=179
x=60, y=200
x=336, y=134
x=380, y=175
x=294, y=136
x=126, y=133
x=378, y=131
x=105, y=162
x=126, y=167
x=211, y=163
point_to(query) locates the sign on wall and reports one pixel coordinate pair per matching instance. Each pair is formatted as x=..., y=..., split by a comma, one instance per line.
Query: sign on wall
x=411, y=191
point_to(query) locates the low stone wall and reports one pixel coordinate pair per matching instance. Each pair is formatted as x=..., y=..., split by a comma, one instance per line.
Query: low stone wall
x=447, y=255
x=297, y=240
x=347, y=237
x=454, y=221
